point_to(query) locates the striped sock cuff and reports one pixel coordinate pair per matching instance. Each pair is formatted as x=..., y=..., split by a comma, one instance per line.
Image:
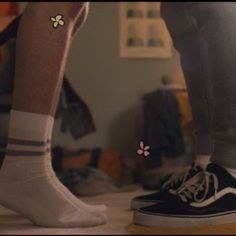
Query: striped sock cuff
x=22, y=147
x=29, y=134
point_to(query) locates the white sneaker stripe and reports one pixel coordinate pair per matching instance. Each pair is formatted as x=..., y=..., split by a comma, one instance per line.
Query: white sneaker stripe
x=215, y=197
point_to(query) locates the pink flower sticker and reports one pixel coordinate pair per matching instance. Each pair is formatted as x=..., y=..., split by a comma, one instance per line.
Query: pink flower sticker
x=143, y=150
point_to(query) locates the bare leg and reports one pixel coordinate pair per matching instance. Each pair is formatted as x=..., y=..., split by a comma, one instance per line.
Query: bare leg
x=81, y=18
x=45, y=49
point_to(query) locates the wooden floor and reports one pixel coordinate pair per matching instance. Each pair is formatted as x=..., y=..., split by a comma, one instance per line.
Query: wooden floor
x=227, y=229
x=119, y=221
x=119, y=218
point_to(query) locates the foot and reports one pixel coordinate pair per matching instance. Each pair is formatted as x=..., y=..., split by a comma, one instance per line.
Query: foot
x=90, y=208
x=167, y=187
x=34, y=194
x=209, y=198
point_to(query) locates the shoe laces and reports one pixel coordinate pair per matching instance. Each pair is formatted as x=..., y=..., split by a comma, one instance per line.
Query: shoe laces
x=179, y=177
x=200, y=182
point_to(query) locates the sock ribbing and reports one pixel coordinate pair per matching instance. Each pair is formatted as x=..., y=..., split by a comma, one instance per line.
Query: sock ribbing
x=28, y=134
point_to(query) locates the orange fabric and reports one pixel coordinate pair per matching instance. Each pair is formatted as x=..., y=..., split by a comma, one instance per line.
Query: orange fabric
x=8, y=8
x=185, y=110
x=109, y=162
x=76, y=161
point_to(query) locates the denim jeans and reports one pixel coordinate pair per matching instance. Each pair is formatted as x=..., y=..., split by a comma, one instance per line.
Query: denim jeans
x=204, y=34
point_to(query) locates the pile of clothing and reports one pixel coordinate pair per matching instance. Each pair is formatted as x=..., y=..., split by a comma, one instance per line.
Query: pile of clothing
x=89, y=172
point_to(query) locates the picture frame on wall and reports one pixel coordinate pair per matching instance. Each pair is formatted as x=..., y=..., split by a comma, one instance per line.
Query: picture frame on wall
x=143, y=33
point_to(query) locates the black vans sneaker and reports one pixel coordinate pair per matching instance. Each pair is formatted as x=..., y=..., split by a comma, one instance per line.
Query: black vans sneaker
x=167, y=188
x=209, y=198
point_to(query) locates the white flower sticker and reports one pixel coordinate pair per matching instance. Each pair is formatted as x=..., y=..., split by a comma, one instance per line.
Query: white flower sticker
x=57, y=21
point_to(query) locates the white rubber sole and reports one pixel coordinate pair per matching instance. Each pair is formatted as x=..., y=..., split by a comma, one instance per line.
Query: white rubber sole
x=171, y=221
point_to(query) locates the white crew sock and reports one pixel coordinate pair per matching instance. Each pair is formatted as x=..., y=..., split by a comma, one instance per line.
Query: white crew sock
x=64, y=190
x=28, y=184
x=203, y=160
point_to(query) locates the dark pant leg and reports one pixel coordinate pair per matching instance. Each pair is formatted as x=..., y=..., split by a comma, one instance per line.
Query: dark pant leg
x=193, y=52
x=217, y=22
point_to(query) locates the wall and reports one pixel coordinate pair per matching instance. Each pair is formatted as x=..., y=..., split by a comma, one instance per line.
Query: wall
x=111, y=86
